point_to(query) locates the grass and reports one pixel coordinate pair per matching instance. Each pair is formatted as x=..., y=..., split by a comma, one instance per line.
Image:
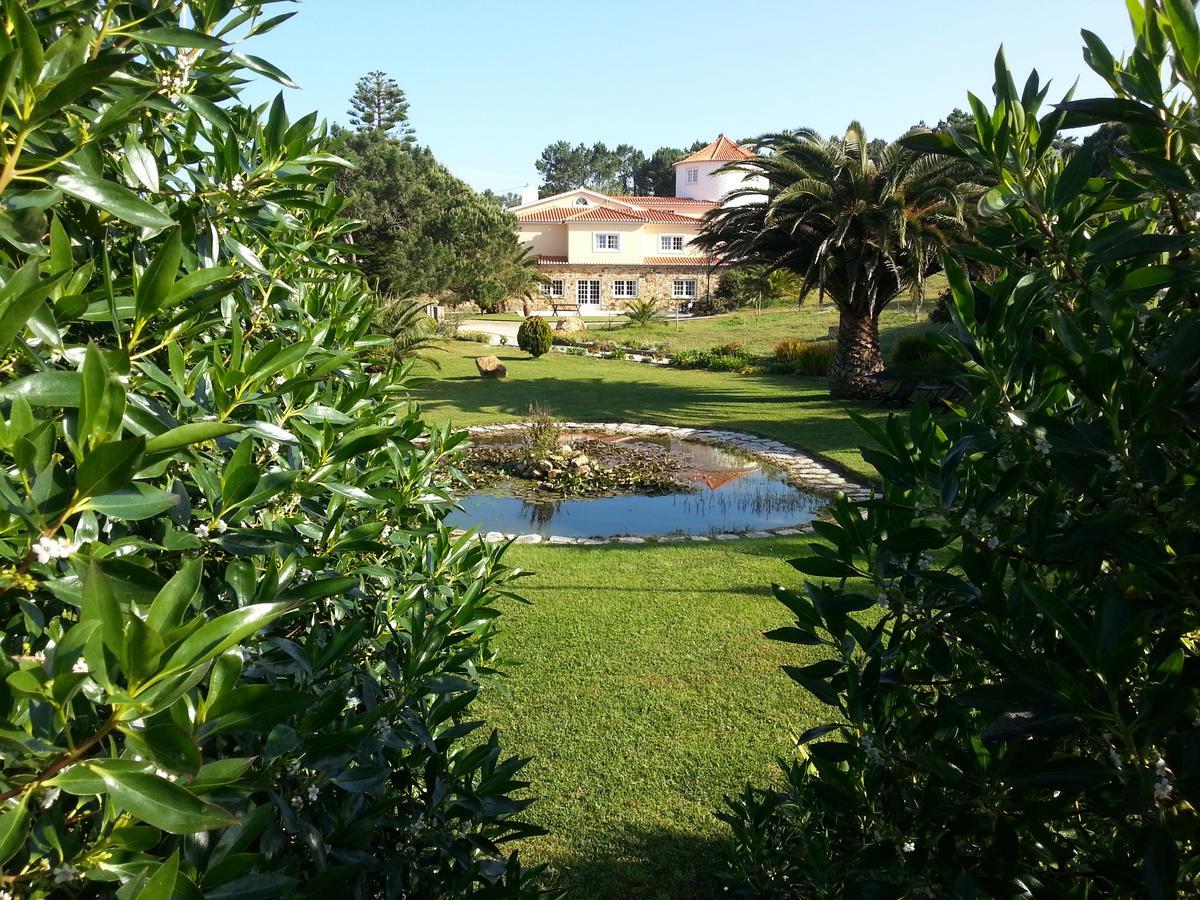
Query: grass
x=645, y=692
x=640, y=682
x=797, y=411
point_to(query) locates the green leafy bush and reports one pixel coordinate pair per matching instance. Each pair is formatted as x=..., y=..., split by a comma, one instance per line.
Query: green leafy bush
x=725, y=358
x=912, y=348
x=534, y=336
x=239, y=646
x=1017, y=715
x=642, y=311
x=801, y=357
x=478, y=337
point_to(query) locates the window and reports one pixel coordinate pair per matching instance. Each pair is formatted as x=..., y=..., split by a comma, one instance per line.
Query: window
x=670, y=243
x=607, y=242
x=582, y=201
x=693, y=175
x=552, y=289
x=684, y=287
x=587, y=290
x=625, y=288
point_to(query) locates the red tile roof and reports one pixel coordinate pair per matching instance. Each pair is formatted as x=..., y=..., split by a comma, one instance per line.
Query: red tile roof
x=605, y=214
x=720, y=150
x=662, y=201
x=682, y=261
x=553, y=215
x=551, y=260
x=671, y=218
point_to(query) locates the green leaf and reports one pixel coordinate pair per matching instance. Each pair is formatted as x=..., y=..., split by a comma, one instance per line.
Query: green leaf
x=1074, y=177
x=18, y=311
x=131, y=504
x=223, y=632
x=178, y=37
x=85, y=781
x=154, y=287
x=142, y=162
x=262, y=67
x=110, y=467
x=166, y=612
x=192, y=433
x=961, y=291
x=113, y=198
x=100, y=606
x=194, y=282
x=161, y=884
x=1185, y=33
x=141, y=652
x=78, y=82
x=28, y=43
x=163, y=803
x=14, y=825
x=168, y=745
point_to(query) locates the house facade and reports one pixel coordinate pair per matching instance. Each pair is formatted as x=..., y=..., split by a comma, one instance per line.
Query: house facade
x=601, y=251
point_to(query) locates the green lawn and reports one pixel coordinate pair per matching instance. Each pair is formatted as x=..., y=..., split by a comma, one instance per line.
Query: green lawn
x=639, y=680
x=797, y=411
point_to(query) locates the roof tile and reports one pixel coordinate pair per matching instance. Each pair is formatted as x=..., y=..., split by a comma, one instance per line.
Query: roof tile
x=720, y=150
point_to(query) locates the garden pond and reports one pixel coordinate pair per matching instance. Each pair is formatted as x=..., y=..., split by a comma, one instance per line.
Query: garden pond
x=716, y=491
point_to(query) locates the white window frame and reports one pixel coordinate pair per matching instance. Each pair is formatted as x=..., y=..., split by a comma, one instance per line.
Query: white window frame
x=552, y=289
x=587, y=290
x=606, y=242
x=666, y=243
x=684, y=288
x=693, y=176
x=625, y=287
x=582, y=201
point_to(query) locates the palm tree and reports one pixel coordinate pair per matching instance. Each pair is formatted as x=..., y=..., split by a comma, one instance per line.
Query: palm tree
x=412, y=330
x=858, y=223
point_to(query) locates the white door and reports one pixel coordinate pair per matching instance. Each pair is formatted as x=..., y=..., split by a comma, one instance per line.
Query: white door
x=587, y=292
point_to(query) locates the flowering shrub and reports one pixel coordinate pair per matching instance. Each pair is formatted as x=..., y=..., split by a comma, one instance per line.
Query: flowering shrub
x=238, y=644
x=1011, y=628
x=801, y=357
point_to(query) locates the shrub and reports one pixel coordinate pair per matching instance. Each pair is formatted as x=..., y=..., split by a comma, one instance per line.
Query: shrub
x=726, y=358
x=939, y=313
x=801, y=357
x=619, y=353
x=534, y=336
x=642, y=311
x=478, y=337
x=1018, y=714
x=912, y=348
x=239, y=646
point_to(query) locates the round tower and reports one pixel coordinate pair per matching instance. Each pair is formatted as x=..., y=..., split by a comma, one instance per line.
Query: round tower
x=697, y=176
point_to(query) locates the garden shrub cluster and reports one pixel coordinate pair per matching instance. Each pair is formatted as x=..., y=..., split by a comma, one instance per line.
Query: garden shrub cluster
x=238, y=647
x=912, y=348
x=477, y=337
x=800, y=357
x=534, y=336
x=733, y=357
x=1011, y=626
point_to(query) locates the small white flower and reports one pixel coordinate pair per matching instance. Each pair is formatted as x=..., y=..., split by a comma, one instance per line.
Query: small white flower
x=220, y=526
x=237, y=184
x=909, y=847
x=924, y=561
x=873, y=753
x=993, y=543
x=313, y=793
x=1042, y=446
x=1115, y=757
x=969, y=518
x=273, y=447
x=296, y=802
x=80, y=666
x=65, y=873
x=882, y=600
x=202, y=531
x=1114, y=464
x=353, y=703
x=387, y=530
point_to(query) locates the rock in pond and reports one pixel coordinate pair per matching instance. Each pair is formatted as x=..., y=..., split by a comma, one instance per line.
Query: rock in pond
x=490, y=367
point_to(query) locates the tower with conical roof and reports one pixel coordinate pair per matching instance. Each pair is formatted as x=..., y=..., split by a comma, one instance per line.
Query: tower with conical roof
x=697, y=176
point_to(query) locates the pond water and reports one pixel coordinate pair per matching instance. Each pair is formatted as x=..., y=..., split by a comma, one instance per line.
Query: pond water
x=735, y=492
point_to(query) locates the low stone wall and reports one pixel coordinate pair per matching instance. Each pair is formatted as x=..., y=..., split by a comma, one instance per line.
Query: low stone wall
x=804, y=472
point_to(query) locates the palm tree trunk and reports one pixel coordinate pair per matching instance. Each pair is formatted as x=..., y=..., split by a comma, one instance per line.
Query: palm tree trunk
x=857, y=357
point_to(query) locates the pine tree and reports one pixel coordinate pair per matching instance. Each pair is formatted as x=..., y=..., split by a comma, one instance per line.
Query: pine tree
x=379, y=104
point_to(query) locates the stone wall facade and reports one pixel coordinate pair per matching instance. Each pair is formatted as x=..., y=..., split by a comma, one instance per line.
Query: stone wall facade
x=652, y=281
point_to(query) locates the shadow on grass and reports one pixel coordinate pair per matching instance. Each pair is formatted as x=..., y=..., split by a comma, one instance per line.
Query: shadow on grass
x=649, y=865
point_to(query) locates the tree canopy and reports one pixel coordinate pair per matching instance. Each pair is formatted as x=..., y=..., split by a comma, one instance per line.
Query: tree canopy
x=426, y=232
x=379, y=104
x=618, y=170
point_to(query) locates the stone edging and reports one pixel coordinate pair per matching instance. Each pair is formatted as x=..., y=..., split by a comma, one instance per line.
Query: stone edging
x=637, y=356
x=803, y=470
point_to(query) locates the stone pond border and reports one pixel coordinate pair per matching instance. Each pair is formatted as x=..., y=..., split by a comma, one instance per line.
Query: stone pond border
x=804, y=471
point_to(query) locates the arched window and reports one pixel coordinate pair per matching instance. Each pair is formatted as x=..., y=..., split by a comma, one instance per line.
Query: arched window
x=582, y=201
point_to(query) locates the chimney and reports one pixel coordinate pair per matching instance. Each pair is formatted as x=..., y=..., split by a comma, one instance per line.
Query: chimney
x=529, y=194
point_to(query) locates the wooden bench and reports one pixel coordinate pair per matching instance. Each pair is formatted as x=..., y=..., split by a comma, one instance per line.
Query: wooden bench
x=905, y=385
x=565, y=306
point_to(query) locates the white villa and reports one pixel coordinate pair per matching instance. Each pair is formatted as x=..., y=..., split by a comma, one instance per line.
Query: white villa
x=599, y=250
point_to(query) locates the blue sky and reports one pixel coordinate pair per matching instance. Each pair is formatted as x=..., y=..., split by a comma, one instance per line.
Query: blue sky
x=492, y=83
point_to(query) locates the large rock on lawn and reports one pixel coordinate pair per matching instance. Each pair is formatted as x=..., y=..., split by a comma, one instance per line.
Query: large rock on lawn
x=490, y=367
x=571, y=325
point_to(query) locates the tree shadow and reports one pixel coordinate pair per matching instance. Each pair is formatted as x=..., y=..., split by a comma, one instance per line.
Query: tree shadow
x=644, y=864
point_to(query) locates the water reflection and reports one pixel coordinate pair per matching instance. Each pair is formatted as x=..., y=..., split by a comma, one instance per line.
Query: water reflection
x=734, y=493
